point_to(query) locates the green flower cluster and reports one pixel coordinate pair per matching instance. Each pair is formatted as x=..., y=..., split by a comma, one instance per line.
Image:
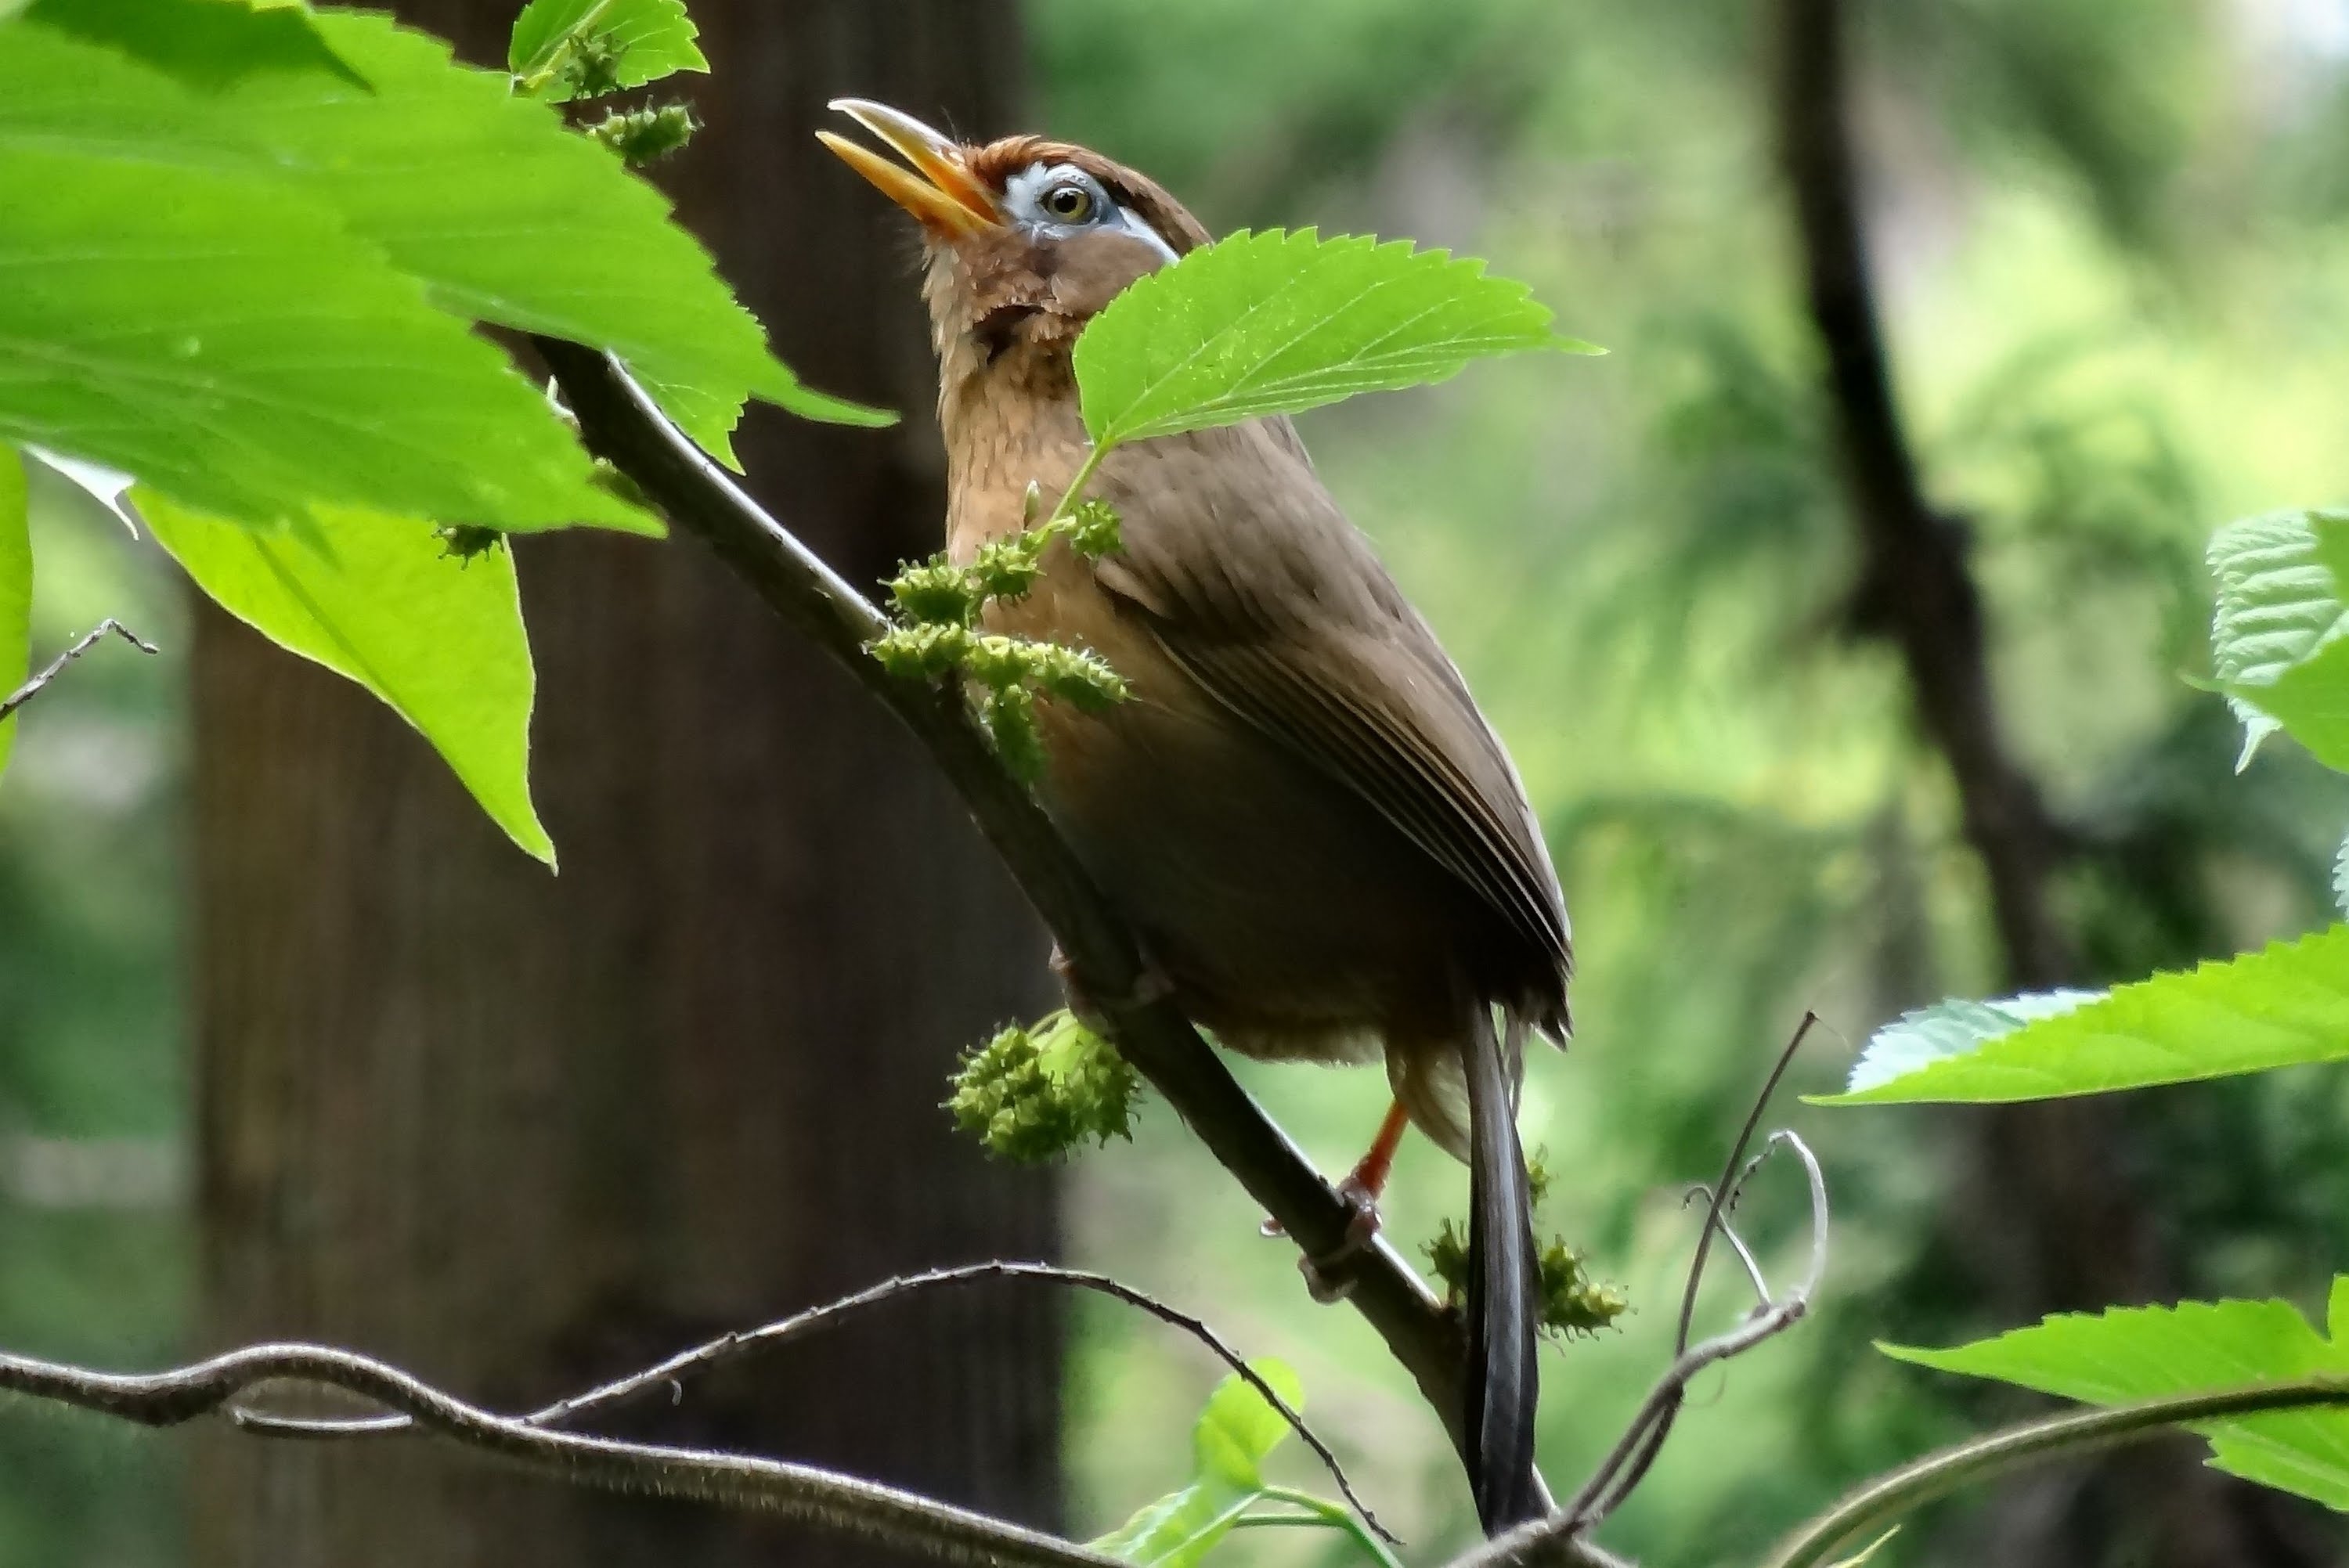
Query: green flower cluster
x=643, y=136
x=937, y=610
x=1572, y=1302
x=1032, y=1095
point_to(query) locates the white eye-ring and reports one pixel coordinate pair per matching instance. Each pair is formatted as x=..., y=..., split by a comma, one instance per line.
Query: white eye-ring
x=1060, y=197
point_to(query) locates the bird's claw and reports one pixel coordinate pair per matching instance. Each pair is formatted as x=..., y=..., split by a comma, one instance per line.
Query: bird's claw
x=1330, y=1277
x=1150, y=985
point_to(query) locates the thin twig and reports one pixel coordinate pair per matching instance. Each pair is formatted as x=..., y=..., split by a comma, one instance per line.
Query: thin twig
x=1604, y=1492
x=622, y=425
x=672, y=1372
x=1745, y=1258
x=1637, y=1449
x=2066, y=1436
x=1723, y=1191
x=1626, y=1465
x=842, y=1502
x=91, y=639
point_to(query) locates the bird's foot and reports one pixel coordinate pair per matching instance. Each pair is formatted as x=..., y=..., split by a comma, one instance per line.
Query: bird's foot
x=1330, y=1277
x=1150, y=985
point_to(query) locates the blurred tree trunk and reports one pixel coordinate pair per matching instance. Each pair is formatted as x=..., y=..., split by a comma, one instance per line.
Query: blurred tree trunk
x=2050, y=1217
x=521, y=1133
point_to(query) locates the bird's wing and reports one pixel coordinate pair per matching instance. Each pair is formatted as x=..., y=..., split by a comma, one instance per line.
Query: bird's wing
x=1263, y=594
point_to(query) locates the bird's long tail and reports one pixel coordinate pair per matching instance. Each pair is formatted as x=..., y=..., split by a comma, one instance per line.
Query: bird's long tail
x=1503, y=1383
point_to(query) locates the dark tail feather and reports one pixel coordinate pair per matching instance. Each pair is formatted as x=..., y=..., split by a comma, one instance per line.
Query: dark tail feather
x=1503, y=1383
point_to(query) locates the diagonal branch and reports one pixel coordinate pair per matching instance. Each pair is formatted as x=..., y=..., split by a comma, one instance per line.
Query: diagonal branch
x=840, y=1502
x=620, y=424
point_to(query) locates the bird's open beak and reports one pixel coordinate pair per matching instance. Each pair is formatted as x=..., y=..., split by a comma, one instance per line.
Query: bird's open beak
x=941, y=191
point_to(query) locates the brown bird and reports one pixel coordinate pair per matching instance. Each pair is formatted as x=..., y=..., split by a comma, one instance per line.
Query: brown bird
x=1320, y=842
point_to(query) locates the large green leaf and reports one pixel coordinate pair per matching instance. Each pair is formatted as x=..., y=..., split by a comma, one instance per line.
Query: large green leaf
x=16, y=589
x=2276, y=637
x=205, y=43
x=513, y=220
x=2283, y=1006
x=224, y=337
x=509, y=217
x=643, y=41
x=1235, y=1433
x=1277, y=321
x=2141, y=1353
x=381, y=601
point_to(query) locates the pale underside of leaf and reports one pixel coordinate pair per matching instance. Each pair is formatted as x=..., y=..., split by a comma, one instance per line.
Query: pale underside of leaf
x=381, y=601
x=2280, y=604
x=2286, y=1005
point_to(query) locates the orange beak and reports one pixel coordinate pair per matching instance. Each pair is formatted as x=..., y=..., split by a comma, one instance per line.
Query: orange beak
x=941, y=191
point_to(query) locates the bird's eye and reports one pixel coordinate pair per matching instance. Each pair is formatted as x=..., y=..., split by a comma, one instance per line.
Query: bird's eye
x=1070, y=203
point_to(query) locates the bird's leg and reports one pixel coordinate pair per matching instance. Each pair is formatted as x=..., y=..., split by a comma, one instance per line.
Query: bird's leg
x=1327, y=1277
x=1150, y=985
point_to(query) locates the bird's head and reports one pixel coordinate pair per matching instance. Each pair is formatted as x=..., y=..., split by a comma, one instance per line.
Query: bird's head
x=1028, y=239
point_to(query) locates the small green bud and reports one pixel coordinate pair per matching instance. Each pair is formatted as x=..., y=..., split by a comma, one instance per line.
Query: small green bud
x=921, y=653
x=1035, y=1095
x=1031, y=501
x=1078, y=678
x=1571, y=1301
x=1538, y=1178
x=1009, y=713
x=1447, y=1255
x=645, y=135
x=1002, y=662
x=1008, y=568
x=465, y=540
x=592, y=70
x=611, y=480
x=1095, y=530
x=935, y=594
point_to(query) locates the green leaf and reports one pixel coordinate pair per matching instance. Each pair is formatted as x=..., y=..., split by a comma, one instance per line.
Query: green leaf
x=204, y=43
x=2139, y=1352
x=1955, y=1028
x=512, y=219
x=379, y=600
x=1277, y=321
x=644, y=41
x=16, y=589
x=2282, y=1006
x=1239, y=1429
x=1235, y=1433
x=2276, y=635
x=223, y=337
x=1867, y=1552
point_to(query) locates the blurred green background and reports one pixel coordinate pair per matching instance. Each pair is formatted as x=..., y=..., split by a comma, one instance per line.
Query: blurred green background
x=2111, y=240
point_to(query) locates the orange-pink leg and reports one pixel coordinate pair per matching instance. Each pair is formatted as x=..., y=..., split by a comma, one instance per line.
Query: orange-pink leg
x=1327, y=1277
x=1368, y=1181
